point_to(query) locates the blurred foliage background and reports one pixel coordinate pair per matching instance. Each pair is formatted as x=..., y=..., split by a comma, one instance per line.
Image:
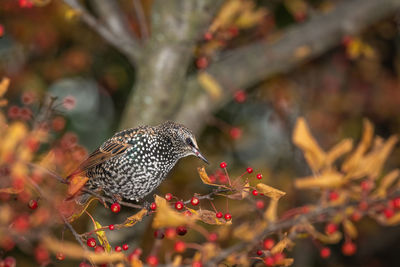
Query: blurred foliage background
x=45, y=48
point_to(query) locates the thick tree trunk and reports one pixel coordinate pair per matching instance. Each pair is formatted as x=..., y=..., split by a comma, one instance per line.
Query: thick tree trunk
x=161, y=71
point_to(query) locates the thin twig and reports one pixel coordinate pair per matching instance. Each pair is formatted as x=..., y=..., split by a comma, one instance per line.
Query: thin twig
x=144, y=33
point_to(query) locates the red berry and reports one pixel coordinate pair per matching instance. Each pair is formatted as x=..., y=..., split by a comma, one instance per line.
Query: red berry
x=260, y=204
x=363, y=205
x=32, y=204
x=99, y=249
x=197, y=264
x=91, y=242
x=60, y=256
x=116, y=207
x=10, y=262
x=325, y=253
x=235, y=132
x=269, y=261
x=356, y=216
x=170, y=233
x=179, y=205
x=125, y=246
x=168, y=196
x=330, y=228
x=249, y=170
x=159, y=234
x=195, y=201
x=111, y=227
x=153, y=206
x=334, y=195
x=366, y=185
x=187, y=213
x=181, y=230
x=388, y=213
x=349, y=248
x=202, y=63
x=1, y=30
x=152, y=260
x=208, y=36
x=180, y=246
x=240, y=96
x=212, y=237
x=259, y=252
x=254, y=192
x=135, y=254
x=118, y=249
x=268, y=243
x=223, y=164
x=259, y=176
x=84, y=264
x=228, y=216
x=396, y=203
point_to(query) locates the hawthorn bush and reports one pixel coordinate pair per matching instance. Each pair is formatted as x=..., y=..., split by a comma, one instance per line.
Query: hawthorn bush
x=349, y=182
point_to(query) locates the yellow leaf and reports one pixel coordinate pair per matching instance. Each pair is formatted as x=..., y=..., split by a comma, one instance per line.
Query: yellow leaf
x=137, y=217
x=328, y=179
x=5, y=82
x=204, y=177
x=302, y=138
x=247, y=231
x=271, y=214
x=250, y=17
x=339, y=150
x=74, y=251
x=136, y=263
x=167, y=217
x=282, y=245
x=353, y=160
x=11, y=190
x=387, y=181
x=227, y=13
x=302, y=52
x=350, y=229
x=326, y=239
x=287, y=261
x=210, y=84
x=102, y=237
x=177, y=261
x=394, y=220
x=269, y=191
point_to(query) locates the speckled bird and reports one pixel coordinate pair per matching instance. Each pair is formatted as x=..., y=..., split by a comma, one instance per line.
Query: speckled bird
x=134, y=162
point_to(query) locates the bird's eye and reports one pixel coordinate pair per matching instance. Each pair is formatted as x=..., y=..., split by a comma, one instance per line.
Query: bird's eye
x=189, y=142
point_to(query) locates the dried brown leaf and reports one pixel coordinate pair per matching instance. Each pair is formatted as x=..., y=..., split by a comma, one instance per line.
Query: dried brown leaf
x=137, y=217
x=73, y=217
x=208, y=216
x=167, y=217
x=302, y=138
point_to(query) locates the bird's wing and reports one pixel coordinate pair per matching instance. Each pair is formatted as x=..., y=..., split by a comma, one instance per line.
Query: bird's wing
x=107, y=151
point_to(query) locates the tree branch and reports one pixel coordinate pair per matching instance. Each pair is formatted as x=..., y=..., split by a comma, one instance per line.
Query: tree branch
x=141, y=18
x=130, y=49
x=246, y=66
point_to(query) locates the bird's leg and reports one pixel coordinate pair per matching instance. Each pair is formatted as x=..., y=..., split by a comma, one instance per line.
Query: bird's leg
x=116, y=198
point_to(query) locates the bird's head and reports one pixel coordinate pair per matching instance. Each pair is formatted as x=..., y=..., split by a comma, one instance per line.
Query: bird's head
x=183, y=140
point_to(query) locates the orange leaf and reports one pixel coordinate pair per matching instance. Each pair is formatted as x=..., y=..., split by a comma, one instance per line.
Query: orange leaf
x=76, y=183
x=137, y=217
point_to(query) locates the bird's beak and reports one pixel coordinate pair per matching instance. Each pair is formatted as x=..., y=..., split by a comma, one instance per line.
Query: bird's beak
x=199, y=155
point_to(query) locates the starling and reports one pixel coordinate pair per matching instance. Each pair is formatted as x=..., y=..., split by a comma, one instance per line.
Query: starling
x=134, y=162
